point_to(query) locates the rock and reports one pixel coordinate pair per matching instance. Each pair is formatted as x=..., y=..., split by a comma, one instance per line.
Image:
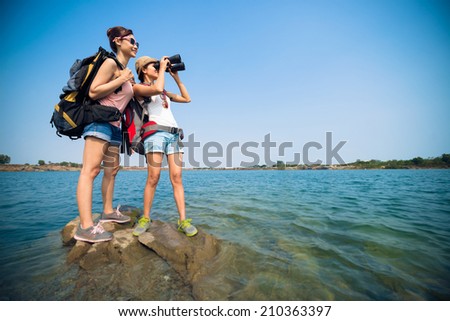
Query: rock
x=68, y=231
x=162, y=264
x=95, y=257
x=189, y=256
x=185, y=254
x=78, y=251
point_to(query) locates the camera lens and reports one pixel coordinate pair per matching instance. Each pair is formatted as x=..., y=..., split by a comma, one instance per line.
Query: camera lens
x=175, y=59
x=175, y=64
x=177, y=67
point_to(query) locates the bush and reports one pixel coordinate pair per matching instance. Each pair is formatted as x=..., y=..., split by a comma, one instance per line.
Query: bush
x=5, y=159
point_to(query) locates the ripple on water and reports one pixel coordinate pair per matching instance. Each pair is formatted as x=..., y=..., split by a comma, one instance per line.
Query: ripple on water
x=285, y=235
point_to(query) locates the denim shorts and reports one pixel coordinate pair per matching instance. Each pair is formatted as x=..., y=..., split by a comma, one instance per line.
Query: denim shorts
x=104, y=131
x=163, y=142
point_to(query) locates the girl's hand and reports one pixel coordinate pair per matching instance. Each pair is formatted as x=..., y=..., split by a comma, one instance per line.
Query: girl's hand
x=163, y=63
x=126, y=74
x=174, y=74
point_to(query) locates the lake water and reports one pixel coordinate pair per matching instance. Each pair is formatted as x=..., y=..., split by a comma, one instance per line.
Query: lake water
x=288, y=235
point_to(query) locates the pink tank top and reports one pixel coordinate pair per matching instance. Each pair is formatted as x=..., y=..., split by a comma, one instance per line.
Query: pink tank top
x=119, y=100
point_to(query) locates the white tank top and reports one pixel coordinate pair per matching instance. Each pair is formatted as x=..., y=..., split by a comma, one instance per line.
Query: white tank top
x=158, y=108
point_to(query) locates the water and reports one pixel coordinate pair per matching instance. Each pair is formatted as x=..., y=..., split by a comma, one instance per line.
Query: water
x=287, y=235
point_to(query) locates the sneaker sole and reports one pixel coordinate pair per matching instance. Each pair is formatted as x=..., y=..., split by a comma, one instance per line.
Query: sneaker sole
x=139, y=233
x=91, y=241
x=191, y=234
x=116, y=221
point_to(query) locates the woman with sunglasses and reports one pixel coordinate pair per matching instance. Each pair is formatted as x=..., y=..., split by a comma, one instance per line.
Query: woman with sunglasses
x=111, y=87
x=151, y=94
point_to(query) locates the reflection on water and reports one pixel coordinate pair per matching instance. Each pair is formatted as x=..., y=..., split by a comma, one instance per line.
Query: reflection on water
x=286, y=235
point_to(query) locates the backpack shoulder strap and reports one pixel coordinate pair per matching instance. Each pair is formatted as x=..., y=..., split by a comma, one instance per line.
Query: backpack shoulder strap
x=107, y=54
x=111, y=55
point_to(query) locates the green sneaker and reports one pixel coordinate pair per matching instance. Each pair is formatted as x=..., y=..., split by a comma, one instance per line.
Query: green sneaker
x=186, y=227
x=142, y=226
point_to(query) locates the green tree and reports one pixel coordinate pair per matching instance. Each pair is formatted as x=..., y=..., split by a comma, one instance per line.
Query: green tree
x=418, y=161
x=5, y=159
x=281, y=165
x=41, y=162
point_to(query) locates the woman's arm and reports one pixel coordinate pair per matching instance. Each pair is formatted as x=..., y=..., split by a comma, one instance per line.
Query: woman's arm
x=184, y=98
x=157, y=87
x=142, y=90
x=104, y=82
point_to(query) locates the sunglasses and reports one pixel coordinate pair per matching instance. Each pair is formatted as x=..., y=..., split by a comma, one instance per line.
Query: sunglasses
x=132, y=41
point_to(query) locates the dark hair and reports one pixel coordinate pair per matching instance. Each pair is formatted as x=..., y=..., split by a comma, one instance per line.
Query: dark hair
x=117, y=32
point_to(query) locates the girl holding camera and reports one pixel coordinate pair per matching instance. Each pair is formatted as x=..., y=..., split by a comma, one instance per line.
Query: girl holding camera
x=151, y=94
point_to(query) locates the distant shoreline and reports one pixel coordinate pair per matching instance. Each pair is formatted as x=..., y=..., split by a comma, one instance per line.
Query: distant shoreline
x=37, y=168
x=61, y=168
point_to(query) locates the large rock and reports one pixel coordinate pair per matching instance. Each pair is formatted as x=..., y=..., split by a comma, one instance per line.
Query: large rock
x=162, y=264
x=189, y=256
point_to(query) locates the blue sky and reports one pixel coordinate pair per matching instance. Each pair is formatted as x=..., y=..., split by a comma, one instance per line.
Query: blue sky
x=374, y=73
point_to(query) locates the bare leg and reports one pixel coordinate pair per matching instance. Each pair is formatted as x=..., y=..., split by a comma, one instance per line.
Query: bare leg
x=92, y=159
x=111, y=168
x=175, y=170
x=154, y=162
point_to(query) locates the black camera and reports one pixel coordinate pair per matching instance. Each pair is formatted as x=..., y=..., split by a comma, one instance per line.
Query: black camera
x=175, y=64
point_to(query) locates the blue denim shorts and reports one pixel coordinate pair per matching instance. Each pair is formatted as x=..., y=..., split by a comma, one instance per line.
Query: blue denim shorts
x=104, y=131
x=163, y=142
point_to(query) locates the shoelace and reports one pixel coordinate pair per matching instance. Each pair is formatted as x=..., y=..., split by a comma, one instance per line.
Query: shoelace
x=186, y=223
x=143, y=222
x=119, y=214
x=98, y=229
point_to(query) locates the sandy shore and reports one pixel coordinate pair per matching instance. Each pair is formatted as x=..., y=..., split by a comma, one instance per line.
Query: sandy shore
x=51, y=168
x=36, y=168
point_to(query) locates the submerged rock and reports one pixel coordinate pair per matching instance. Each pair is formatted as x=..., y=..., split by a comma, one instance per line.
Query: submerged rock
x=189, y=256
x=162, y=264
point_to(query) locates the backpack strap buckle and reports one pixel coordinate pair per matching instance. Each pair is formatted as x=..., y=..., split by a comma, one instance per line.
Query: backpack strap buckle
x=175, y=130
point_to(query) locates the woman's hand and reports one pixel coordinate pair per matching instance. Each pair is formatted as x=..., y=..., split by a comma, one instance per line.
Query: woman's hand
x=125, y=74
x=163, y=63
x=108, y=79
x=174, y=74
